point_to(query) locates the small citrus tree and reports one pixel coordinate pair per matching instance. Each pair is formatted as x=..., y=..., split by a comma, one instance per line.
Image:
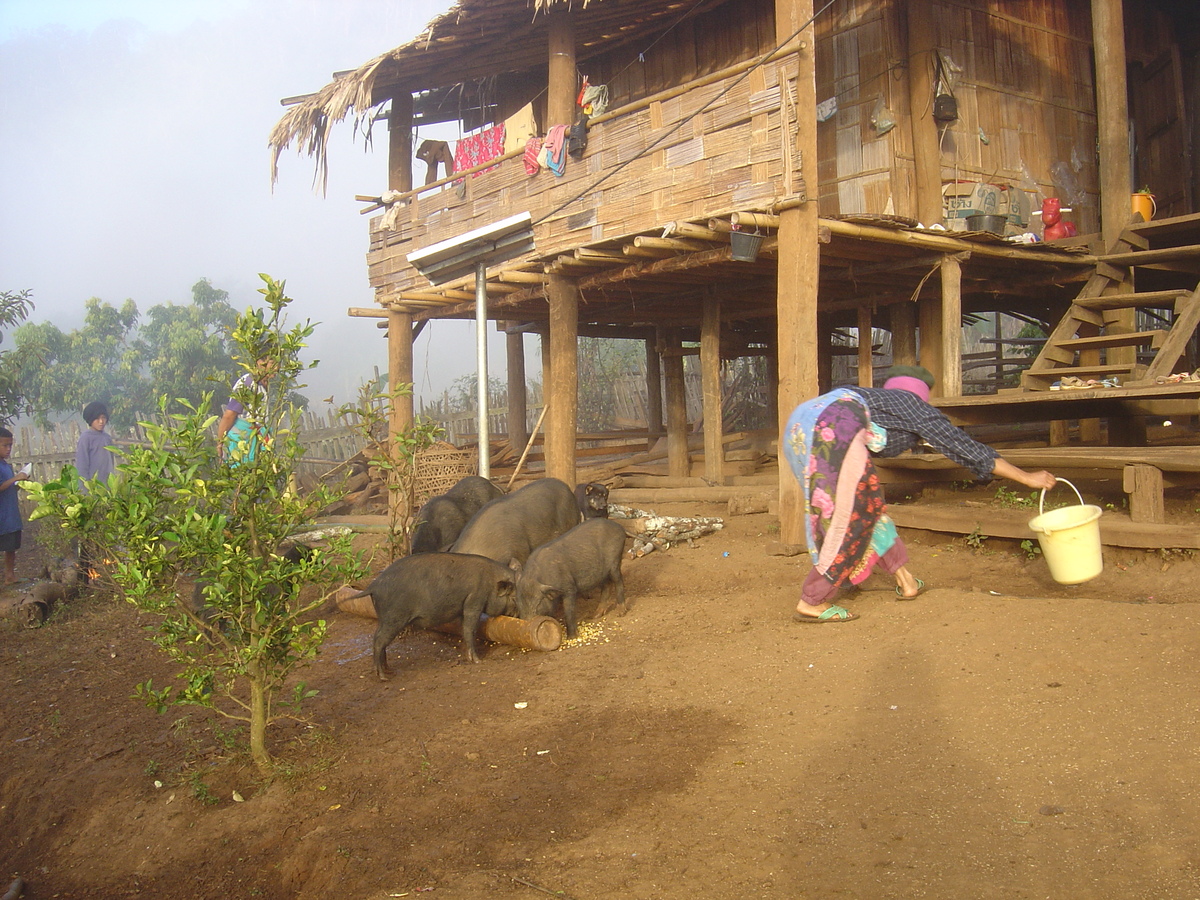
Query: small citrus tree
x=175, y=515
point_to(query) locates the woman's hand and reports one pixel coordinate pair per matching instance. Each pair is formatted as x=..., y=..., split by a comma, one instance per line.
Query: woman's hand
x=1036, y=480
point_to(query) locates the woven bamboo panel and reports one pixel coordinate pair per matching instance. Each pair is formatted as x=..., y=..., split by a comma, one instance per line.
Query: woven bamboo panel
x=439, y=468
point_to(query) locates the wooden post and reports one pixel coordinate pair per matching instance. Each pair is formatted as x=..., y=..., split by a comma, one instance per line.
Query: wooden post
x=929, y=313
x=799, y=258
x=400, y=373
x=562, y=87
x=654, y=406
x=951, y=377
x=518, y=410
x=1112, y=119
x=677, y=442
x=866, y=361
x=824, y=354
x=1144, y=485
x=400, y=149
x=904, y=333
x=562, y=392
x=710, y=379
x=922, y=45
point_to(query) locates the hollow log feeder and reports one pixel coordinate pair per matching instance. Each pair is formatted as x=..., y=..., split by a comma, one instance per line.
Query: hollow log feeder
x=536, y=633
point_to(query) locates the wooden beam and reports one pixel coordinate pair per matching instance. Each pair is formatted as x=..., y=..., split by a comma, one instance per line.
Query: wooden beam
x=400, y=374
x=951, y=355
x=866, y=371
x=562, y=391
x=562, y=89
x=518, y=411
x=677, y=438
x=654, y=405
x=710, y=380
x=400, y=149
x=358, y=312
x=798, y=272
x=922, y=47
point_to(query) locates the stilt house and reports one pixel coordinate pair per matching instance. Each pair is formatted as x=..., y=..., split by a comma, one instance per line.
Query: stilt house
x=749, y=175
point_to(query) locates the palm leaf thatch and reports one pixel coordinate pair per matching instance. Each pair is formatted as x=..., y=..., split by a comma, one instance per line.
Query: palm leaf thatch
x=308, y=124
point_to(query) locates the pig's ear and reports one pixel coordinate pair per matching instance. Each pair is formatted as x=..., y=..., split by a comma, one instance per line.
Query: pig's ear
x=515, y=564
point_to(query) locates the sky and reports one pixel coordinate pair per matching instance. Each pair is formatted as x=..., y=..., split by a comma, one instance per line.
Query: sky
x=134, y=162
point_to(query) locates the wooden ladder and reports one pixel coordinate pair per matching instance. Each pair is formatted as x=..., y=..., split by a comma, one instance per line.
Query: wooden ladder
x=1083, y=327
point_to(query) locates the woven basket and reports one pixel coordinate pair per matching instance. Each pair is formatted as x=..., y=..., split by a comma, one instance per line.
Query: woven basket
x=439, y=468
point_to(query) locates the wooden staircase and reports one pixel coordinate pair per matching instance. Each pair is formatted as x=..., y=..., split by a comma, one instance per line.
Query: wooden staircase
x=1079, y=344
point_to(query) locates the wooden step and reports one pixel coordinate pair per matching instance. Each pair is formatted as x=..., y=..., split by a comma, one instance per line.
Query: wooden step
x=1150, y=257
x=1041, y=379
x=1162, y=299
x=1104, y=341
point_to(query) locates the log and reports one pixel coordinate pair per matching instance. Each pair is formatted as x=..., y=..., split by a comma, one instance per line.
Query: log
x=674, y=495
x=749, y=504
x=536, y=633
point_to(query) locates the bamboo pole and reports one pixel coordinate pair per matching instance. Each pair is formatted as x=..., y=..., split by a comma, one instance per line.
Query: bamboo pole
x=528, y=446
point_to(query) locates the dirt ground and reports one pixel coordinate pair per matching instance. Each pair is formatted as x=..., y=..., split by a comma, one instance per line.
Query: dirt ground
x=1002, y=736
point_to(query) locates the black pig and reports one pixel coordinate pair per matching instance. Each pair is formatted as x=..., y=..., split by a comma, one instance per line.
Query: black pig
x=441, y=519
x=592, y=499
x=431, y=589
x=585, y=558
x=509, y=528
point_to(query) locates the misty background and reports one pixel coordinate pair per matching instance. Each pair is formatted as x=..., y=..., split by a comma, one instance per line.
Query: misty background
x=134, y=162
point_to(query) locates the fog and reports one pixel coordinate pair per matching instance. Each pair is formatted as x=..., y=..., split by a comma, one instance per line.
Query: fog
x=134, y=162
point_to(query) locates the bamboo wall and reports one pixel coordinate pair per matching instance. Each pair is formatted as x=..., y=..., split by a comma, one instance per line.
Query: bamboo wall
x=726, y=158
x=1022, y=75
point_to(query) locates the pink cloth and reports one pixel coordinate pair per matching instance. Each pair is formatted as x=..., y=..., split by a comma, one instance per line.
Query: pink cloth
x=556, y=147
x=474, y=149
x=532, y=146
x=910, y=384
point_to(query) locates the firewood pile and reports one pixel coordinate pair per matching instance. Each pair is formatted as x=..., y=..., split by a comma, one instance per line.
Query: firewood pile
x=651, y=532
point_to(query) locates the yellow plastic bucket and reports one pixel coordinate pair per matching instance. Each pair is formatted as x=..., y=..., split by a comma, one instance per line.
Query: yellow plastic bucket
x=1070, y=539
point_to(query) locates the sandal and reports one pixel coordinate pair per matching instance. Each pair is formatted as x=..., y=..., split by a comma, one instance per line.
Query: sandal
x=833, y=614
x=920, y=591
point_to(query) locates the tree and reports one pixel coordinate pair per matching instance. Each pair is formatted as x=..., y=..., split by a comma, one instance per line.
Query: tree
x=15, y=307
x=187, y=347
x=100, y=361
x=129, y=360
x=175, y=513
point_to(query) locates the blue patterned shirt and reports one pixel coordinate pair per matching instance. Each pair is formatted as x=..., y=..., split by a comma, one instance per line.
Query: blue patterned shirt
x=10, y=506
x=909, y=420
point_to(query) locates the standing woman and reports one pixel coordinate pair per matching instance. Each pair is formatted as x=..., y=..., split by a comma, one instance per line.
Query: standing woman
x=240, y=431
x=829, y=442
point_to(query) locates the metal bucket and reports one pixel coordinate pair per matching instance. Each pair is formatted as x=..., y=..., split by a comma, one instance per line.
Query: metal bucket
x=745, y=245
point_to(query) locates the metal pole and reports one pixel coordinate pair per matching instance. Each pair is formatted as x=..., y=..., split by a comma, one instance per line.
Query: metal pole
x=485, y=455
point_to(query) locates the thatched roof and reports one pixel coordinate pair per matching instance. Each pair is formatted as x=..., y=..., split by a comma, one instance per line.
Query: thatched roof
x=474, y=39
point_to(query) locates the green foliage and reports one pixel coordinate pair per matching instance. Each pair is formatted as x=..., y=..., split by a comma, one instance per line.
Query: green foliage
x=976, y=539
x=15, y=307
x=1031, y=549
x=174, y=514
x=601, y=362
x=178, y=350
x=1010, y=499
x=394, y=455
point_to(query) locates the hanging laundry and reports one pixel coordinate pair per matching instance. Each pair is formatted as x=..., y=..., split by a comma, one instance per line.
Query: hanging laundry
x=479, y=148
x=518, y=128
x=556, y=149
x=532, y=148
x=577, y=137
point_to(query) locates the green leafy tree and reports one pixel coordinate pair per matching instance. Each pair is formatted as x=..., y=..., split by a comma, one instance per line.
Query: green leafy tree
x=187, y=347
x=15, y=307
x=174, y=514
x=100, y=361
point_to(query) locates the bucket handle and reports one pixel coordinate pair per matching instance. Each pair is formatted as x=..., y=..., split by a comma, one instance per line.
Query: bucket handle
x=1042, y=498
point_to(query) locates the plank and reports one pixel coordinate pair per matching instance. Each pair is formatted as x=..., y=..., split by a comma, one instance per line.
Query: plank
x=1116, y=530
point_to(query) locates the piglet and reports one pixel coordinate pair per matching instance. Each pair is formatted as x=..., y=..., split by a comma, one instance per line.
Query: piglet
x=426, y=590
x=584, y=559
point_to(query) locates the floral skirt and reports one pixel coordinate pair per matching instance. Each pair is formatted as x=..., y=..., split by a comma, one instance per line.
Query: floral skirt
x=845, y=518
